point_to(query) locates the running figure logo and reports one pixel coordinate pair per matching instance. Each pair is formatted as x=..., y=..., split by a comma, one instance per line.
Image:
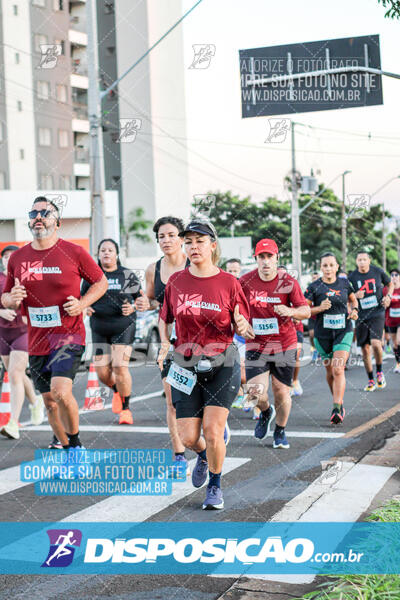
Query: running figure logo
x=62, y=547
x=277, y=130
x=203, y=54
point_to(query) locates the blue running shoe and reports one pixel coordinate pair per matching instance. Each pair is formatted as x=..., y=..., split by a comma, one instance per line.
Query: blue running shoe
x=314, y=356
x=264, y=423
x=200, y=472
x=69, y=469
x=179, y=468
x=214, y=499
x=280, y=441
x=227, y=434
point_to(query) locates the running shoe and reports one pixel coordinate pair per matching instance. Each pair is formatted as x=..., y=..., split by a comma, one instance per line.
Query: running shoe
x=314, y=356
x=180, y=468
x=116, y=403
x=214, y=499
x=125, y=417
x=280, y=441
x=200, y=472
x=55, y=444
x=256, y=413
x=238, y=402
x=370, y=387
x=37, y=411
x=11, y=430
x=264, y=423
x=227, y=434
x=297, y=389
x=73, y=462
x=397, y=368
x=388, y=349
x=380, y=380
x=337, y=415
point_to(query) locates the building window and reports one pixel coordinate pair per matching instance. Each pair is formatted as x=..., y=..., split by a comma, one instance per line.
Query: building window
x=22, y=154
x=44, y=136
x=15, y=11
x=41, y=3
x=62, y=44
x=43, y=90
x=46, y=182
x=110, y=50
x=17, y=58
x=40, y=39
x=63, y=138
x=19, y=105
x=109, y=7
x=61, y=93
x=65, y=182
x=57, y=4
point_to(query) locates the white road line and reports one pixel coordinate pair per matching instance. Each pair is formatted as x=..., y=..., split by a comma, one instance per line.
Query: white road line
x=131, y=401
x=136, y=509
x=9, y=480
x=164, y=430
x=344, y=500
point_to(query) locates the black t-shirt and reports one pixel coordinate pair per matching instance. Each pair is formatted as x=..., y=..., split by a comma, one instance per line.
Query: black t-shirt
x=373, y=283
x=122, y=285
x=334, y=320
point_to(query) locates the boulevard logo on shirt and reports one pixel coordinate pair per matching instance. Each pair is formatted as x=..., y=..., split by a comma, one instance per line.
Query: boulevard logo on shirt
x=262, y=298
x=191, y=304
x=34, y=271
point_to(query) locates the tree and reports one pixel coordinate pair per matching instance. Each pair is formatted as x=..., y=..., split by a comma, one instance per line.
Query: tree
x=136, y=227
x=320, y=226
x=393, y=7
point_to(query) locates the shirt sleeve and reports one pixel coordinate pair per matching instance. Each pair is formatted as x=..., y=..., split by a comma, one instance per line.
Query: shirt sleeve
x=84, y=287
x=296, y=296
x=9, y=284
x=166, y=313
x=88, y=269
x=238, y=297
x=309, y=294
x=350, y=288
x=385, y=277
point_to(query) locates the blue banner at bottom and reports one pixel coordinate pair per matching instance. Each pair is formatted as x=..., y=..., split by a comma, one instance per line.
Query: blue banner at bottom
x=199, y=548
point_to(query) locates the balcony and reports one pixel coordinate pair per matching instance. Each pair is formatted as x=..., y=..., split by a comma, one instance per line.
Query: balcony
x=79, y=81
x=78, y=66
x=80, y=125
x=77, y=38
x=81, y=169
x=81, y=155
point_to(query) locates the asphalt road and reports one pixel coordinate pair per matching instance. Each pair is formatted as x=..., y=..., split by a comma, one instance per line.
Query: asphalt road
x=254, y=490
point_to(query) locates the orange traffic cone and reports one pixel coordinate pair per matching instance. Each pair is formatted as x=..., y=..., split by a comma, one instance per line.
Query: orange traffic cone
x=93, y=400
x=5, y=406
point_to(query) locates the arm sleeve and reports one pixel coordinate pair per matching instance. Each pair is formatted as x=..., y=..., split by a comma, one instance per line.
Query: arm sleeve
x=166, y=313
x=309, y=294
x=239, y=298
x=296, y=296
x=88, y=269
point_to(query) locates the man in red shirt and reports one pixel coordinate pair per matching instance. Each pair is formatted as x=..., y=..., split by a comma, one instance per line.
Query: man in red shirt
x=274, y=299
x=44, y=278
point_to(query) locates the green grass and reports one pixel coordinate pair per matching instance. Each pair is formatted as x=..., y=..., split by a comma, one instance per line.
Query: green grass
x=364, y=587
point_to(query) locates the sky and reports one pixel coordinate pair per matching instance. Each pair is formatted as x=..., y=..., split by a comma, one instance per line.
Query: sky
x=227, y=152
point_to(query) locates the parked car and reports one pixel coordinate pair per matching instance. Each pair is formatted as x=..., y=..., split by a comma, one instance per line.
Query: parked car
x=147, y=336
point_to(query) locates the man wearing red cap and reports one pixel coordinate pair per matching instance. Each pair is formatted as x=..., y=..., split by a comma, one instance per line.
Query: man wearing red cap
x=274, y=299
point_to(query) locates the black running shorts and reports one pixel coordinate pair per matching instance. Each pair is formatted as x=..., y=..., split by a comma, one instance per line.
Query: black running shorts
x=63, y=362
x=280, y=365
x=369, y=329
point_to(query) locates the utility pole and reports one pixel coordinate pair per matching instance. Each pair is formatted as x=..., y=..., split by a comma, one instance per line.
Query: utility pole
x=344, y=224
x=97, y=229
x=296, y=242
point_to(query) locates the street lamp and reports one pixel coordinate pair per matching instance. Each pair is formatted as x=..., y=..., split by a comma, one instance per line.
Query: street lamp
x=344, y=223
x=383, y=220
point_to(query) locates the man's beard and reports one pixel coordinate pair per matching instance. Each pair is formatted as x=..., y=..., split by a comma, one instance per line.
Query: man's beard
x=44, y=232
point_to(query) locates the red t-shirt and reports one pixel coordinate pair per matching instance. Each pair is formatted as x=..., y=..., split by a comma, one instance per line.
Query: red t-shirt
x=263, y=296
x=392, y=314
x=49, y=277
x=17, y=323
x=203, y=311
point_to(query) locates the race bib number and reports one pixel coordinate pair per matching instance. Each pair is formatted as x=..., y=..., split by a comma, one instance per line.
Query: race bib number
x=181, y=379
x=369, y=302
x=394, y=312
x=45, y=316
x=265, y=326
x=334, y=321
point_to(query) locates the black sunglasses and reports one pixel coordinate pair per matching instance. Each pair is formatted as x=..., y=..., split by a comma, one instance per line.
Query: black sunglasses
x=44, y=213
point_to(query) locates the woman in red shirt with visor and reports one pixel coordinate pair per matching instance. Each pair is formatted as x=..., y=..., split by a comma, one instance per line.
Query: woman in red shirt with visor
x=208, y=306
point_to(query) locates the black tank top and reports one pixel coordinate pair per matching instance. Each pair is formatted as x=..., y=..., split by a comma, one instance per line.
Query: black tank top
x=159, y=286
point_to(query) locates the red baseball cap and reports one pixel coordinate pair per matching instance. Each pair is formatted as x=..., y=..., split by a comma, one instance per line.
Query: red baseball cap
x=266, y=245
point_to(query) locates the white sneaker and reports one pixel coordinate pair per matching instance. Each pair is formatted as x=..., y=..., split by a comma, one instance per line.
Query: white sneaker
x=297, y=389
x=11, y=430
x=37, y=411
